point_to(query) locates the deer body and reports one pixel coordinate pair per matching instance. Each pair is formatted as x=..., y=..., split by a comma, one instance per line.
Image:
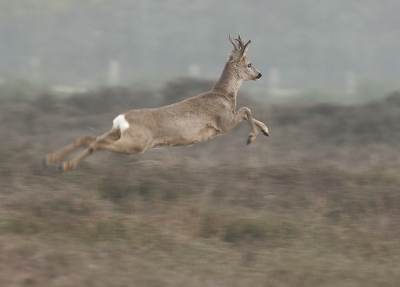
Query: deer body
x=196, y=119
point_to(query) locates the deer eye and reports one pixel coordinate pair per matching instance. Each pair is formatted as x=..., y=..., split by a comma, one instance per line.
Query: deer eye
x=249, y=65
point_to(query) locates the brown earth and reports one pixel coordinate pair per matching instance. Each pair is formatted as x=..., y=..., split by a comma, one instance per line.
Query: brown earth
x=315, y=204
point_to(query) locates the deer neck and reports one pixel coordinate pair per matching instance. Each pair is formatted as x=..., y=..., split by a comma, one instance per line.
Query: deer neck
x=229, y=82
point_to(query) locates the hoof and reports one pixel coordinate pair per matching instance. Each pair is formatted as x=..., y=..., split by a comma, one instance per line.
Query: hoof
x=59, y=168
x=250, y=139
x=66, y=166
x=266, y=133
x=63, y=167
x=44, y=163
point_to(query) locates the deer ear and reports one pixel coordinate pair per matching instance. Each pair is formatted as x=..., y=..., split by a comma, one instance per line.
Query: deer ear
x=244, y=49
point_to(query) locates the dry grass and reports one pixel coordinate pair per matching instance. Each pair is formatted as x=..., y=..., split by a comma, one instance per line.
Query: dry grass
x=309, y=206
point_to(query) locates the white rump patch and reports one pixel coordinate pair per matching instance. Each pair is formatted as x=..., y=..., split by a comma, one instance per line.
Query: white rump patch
x=120, y=123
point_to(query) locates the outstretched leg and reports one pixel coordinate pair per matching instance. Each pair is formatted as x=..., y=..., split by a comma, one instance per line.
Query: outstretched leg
x=73, y=163
x=84, y=141
x=121, y=145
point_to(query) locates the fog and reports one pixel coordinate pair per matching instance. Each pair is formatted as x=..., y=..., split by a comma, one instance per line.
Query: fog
x=344, y=46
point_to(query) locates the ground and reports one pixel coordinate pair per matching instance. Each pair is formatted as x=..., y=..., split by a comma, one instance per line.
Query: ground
x=315, y=204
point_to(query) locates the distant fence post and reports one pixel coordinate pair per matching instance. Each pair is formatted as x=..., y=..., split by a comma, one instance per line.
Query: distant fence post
x=35, y=65
x=351, y=83
x=113, y=73
x=273, y=79
x=194, y=70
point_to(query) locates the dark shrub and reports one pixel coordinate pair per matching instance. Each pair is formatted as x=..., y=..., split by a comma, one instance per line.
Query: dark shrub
x=393, y=98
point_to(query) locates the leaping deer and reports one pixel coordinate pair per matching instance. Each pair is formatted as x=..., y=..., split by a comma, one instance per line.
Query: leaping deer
x=196, y=119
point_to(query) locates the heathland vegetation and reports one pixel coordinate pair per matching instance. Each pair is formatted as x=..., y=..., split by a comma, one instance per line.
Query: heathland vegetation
x=315, y=204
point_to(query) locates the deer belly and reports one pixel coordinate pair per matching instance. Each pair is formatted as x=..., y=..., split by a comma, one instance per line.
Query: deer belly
x=189, y=137
x=208, y=133
x=201, y=135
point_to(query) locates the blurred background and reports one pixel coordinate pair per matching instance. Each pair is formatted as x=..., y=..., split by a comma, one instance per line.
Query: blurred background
x=317, y=203
x=346, y=49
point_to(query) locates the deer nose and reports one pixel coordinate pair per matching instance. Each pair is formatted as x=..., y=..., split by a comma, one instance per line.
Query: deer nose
x=259, y=76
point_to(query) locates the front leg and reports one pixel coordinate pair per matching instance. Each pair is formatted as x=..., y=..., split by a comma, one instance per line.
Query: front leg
x=242, y=114
x=261, y=126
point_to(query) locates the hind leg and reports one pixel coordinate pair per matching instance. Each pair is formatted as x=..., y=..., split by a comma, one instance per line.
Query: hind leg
x=84, y=141
x=121, y=145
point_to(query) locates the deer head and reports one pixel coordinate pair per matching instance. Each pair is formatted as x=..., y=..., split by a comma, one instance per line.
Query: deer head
x=242, y=66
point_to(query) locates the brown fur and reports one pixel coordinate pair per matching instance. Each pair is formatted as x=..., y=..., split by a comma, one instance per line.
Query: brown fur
x=184, y=123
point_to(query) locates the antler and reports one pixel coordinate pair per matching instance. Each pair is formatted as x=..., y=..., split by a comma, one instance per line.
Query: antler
x=240, y=41
x=240, y=46
x=237, y=48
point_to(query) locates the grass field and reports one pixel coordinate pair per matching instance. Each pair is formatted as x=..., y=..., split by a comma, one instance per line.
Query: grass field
x=315, y=204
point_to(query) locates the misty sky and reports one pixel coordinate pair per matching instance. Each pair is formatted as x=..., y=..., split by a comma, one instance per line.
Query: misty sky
x=308, y=42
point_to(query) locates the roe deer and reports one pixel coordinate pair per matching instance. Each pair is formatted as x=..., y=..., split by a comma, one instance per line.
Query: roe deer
x=181, y=124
